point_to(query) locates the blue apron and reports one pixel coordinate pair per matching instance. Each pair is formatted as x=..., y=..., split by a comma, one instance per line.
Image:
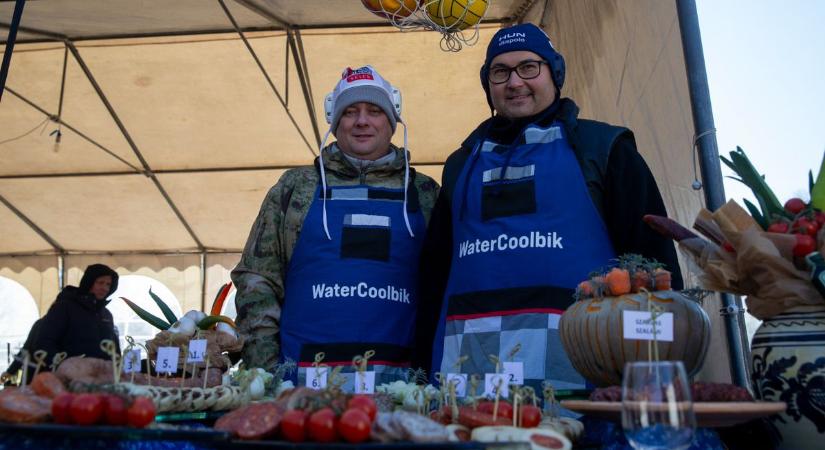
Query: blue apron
x=525, y=233
x=356, y=291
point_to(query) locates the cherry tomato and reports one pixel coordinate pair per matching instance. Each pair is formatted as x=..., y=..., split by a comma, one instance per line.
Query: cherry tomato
x=354, y=425
x=795, y=205
x=140, y=413
x=61, y=408
x=530, y=416
x=728, y=247
x=820, y=218
x=364, y=403
x=778, y=227
x=321, y=426
x=294, y=425
x=504, y=409
x=114, y=411
x=804, y=245
x=86, y=409
x=805, y=226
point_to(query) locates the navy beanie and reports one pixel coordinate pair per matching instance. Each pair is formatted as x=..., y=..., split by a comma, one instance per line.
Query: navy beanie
x=525, y=36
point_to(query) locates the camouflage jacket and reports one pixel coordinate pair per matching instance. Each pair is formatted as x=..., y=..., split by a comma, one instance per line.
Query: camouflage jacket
x=260, y=275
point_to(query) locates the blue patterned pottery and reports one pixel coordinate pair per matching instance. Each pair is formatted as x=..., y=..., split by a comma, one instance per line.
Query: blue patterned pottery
x=788, y=362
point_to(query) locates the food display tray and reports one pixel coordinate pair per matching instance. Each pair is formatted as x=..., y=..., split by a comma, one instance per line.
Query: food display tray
x=102, y=432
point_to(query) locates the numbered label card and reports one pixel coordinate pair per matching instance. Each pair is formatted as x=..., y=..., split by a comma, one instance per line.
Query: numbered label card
x=514, y=372
x=131, y=361
x=365, y=382
x=495, y=381
x=317, y=377
x=460, y=382
x=167, y=361
x=197, y=350
x=639, y=325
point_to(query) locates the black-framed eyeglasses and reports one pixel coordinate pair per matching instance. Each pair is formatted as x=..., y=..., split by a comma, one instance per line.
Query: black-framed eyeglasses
x=526, y=70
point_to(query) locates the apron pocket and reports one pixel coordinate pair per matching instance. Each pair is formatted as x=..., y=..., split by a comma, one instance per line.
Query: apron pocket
x=366, y=237
x=508, y=199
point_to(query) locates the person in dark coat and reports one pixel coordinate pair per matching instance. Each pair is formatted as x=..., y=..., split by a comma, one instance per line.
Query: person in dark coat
x=17, y=364
x=78, y=320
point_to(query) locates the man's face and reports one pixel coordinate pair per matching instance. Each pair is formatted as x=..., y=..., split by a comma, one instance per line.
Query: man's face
x=516, y=97
x=364, y=131
x=101, y=287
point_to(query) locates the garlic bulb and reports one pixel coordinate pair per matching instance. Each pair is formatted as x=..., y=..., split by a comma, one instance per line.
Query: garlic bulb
x=185, y=326
x=226, y=328
x=195, y=315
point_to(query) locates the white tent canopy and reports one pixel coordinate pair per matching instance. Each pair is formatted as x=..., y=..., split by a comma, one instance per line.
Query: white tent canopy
x=172, y=134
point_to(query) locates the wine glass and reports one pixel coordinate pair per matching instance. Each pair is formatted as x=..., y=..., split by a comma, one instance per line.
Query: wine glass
x=657, y=411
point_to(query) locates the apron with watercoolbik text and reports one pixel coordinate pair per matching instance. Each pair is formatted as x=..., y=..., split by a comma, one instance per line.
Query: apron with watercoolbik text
x=525, y=233
x=357, y=291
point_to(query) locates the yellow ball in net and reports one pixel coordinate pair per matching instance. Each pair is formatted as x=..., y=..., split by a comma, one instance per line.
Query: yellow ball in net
x=456, y=15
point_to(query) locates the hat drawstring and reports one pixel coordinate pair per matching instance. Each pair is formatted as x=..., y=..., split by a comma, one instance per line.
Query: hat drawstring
x=324, y=184
x=406, y=179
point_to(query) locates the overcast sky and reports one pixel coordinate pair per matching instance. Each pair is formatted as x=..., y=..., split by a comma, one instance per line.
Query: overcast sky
x=766, y=69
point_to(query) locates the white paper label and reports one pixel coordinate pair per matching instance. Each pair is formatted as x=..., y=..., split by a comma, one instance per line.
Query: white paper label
x=167, y=361
x=197, y=350
x=514, y=372
x=491, y=383
x=460, y=382
x=317, y=377
x=365, y=382
x=638, y=325
x=131, y=361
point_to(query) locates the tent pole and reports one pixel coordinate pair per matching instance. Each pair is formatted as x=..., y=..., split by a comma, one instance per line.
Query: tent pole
x=303, y=76
x=58, y=119
x=32, y=225
x=147, y=170
x=203, y=281
x=705, y=131
x=15, y=23
x=266, y=74
x=61, y=271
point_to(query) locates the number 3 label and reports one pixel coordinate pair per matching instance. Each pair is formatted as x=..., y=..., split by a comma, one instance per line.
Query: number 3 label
x=365, y=382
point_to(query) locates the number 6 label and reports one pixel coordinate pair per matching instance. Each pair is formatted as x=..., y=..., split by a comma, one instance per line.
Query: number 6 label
x=316, y=378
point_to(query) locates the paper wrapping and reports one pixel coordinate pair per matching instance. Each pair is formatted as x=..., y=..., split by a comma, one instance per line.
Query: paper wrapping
x=761, y=267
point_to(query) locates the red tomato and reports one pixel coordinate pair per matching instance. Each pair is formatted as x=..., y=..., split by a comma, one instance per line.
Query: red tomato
x=61, y=408
x=795, y=205
x=530, y=416
x=778, y=227
x=804, y=245
x=805, y=226
x=86, y=409
x=141, y=412
x=321, y=426
x=114, y=411
x=364, y=403
x=294, y=425
x=504, y=409
x=354, y=425
x=820, y=218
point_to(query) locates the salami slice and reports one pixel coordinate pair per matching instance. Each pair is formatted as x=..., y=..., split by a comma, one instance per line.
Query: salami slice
x=260, y=420
x=229, y=421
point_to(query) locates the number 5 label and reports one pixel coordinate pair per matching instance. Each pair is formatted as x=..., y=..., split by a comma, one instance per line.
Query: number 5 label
x=167, y=361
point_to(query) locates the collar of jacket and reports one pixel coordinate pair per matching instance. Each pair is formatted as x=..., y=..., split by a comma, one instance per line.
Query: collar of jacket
x=336, y=163
x=567, y=112
x=86, y=300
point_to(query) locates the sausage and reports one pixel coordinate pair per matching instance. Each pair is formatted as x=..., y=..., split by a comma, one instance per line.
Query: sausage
x=260, y=420
x=47, y=384
x=668, y=227
x=20, y=406
x=418, y=428
x=471, y=418
x=228, y=422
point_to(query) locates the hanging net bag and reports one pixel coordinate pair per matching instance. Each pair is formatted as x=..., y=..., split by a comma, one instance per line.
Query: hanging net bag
x=456, y=20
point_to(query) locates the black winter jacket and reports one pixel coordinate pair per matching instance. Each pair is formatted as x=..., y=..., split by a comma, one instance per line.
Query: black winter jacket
x=77, y=322
x=618, y=179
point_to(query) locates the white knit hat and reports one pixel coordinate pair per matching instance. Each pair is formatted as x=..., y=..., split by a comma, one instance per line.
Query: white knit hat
x=363, y=84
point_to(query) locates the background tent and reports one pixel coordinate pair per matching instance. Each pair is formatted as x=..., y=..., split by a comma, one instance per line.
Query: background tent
x=173, y=130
